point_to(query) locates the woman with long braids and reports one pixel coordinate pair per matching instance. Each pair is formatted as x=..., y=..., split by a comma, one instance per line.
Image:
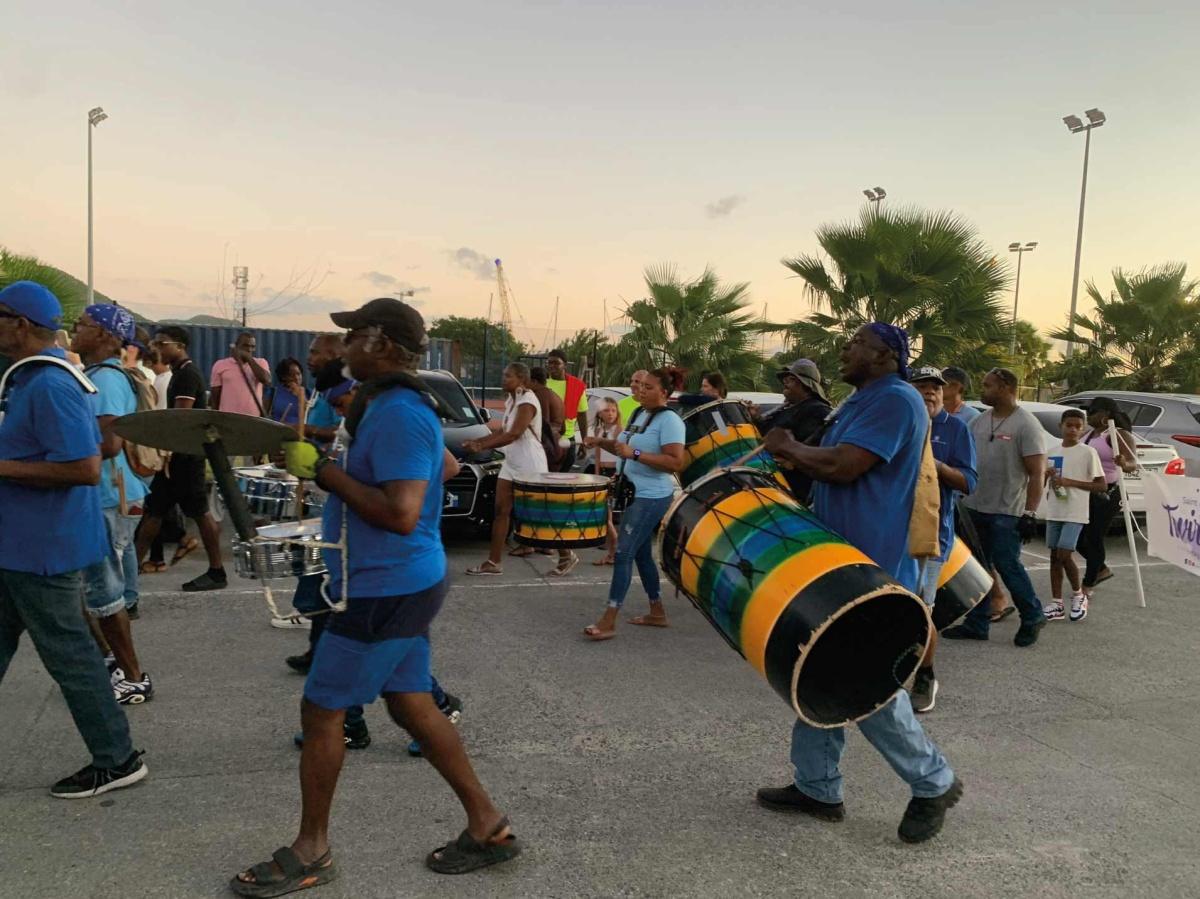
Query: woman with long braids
x=650, y=450
x=1104, y=506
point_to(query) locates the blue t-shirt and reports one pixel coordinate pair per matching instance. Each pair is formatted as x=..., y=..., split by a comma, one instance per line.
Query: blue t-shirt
x=322, y=415
x=889, y=419
x=116, y=397
x=666, y=428
x=953, y=445
x=399, y=439
x=49, y=418
x=965, y=414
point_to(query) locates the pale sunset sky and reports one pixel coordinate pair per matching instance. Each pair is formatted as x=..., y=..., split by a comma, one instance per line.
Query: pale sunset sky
x=383, y=146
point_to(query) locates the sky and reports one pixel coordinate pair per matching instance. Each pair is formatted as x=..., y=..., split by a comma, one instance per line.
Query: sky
x=346, y=151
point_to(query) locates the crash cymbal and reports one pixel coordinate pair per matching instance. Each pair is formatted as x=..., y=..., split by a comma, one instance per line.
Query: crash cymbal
x=187, y=430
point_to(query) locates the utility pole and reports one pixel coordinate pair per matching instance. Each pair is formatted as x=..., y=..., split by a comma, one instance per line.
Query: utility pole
x=1020, y=250
x=95, y=117
x=241, y=280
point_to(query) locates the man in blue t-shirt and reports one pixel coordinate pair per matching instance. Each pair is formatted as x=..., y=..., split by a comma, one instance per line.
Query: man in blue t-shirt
x=101, y=332
x=384, y=506
x=51, y=527
x=864, y=479
x=954, y=455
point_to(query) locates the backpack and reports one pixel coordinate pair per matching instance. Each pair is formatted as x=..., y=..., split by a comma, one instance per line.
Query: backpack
x=144, y=461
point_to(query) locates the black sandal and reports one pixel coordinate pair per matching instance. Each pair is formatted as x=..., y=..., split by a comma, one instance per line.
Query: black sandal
x=293, y=875
x=468, y=854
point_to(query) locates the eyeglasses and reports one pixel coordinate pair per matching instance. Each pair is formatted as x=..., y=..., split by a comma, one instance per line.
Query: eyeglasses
x=4, y=314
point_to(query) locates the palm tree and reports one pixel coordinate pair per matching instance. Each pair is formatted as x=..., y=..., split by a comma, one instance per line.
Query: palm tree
x=926, y=271
x=1145, y=335
x=699, y=325
x=71, y=293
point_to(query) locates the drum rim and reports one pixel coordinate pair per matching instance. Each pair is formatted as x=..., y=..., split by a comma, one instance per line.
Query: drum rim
x=697, y=409
x=287, y=529
x=577, y=481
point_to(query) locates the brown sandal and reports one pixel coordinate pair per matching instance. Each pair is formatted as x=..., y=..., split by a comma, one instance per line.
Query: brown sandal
x=149, y=567
x=596, y=634
x=650, y=620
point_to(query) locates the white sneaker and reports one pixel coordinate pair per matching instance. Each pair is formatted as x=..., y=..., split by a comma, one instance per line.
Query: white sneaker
x=295, y=622
x=1054, y=611
x=1079, y=607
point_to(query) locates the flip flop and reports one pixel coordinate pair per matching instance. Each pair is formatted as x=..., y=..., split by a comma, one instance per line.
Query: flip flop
x=596, y=635
x=520, y=552
x=649, y=621
x=292, y=875
x=1002, y=614
x=563, y=568
x=149, y=567
x=486, y=567
x=605, y=561
x=184, y=549
x=468, y=854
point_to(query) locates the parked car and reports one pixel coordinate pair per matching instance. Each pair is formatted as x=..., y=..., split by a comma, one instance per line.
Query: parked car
x=1155, y=457
x=469, y=495
x=1170, y=418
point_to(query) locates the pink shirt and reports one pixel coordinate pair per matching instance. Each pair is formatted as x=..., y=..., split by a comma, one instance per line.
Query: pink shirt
x=232, y=376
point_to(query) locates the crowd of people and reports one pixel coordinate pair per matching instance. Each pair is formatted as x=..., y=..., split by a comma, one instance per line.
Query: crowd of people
x=93, y=507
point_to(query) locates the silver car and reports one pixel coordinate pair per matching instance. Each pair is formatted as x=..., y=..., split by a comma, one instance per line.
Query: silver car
x=1170, y=418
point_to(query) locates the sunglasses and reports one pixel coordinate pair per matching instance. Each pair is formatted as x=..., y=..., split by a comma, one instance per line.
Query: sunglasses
x=4, y=314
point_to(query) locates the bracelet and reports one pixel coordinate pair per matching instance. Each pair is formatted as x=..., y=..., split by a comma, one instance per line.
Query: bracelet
x=320, y=464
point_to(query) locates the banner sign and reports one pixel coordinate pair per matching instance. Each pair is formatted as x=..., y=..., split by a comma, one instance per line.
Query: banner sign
x=1173, y=519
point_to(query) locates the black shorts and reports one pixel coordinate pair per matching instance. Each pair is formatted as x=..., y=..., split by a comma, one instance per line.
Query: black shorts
x=181, y=483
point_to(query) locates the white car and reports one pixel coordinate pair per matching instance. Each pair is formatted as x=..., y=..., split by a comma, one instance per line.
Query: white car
x=1152, y=457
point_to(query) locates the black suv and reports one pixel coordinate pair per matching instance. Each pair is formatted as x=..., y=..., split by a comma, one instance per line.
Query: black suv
x=471, y=494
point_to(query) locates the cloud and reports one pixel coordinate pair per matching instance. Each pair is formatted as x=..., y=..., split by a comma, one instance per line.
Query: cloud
x=473, y=262
x=379, y=279
x=724, y=206
x=550, y=270
x=394, y=285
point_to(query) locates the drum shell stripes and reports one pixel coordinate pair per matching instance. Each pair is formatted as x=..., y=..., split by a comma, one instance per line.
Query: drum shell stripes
x=560, y=510
x=831, y=632
x=719, y=434
x=963, y=583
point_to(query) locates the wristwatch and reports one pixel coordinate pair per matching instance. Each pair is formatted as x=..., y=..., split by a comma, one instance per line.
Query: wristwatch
x=319, y=464
x=637, y=454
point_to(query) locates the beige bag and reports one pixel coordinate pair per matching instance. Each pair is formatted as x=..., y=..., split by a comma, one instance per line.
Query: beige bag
x=924, y=522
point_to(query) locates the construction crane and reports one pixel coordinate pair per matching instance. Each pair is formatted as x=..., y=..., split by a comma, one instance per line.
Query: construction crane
x=505, y=299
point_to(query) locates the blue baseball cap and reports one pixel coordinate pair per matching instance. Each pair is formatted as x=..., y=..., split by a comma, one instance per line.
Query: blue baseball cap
x=34, y=302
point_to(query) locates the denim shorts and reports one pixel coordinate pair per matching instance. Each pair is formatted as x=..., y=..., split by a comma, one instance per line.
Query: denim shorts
x=348, y=672
x=930, y=575
x=1063, y=534
x=104, y=582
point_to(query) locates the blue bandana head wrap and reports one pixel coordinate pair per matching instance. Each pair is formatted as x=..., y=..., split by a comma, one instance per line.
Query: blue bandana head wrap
x=337, y=391
x=896, y=340
x=113, y=319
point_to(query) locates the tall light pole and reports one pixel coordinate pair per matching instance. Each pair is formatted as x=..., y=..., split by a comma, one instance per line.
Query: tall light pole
x=95, y=117
x=1020, y=249
x=875, y=196
x=1074, y=124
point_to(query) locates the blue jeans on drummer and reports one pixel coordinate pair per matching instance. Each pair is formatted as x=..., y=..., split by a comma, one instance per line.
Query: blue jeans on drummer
x=47, y=607
x=104, y=583
x=1001, y=546
x=931, y=572
x=635, y=545
x=893, y=731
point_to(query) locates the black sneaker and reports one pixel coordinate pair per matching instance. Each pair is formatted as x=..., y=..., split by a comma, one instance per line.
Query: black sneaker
x=206, y=581
x=1027, y=634
x=356, y=737
x=92, y=781
x=451, y=706
x=132, y=611
x=790, y=799
x=924, y=690
x=962, y=632
x=300, y=663
x=923, y=819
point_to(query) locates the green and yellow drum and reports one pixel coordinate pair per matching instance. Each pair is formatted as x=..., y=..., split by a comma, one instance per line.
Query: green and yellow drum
x=718, y=434
x=560, y=511
x=829, y=630
x=962, y=585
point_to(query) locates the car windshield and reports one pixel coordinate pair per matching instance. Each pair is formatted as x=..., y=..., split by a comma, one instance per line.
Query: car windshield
x=454, y=404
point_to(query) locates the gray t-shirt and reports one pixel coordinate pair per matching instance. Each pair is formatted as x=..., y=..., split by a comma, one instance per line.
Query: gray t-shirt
x=1001, y=446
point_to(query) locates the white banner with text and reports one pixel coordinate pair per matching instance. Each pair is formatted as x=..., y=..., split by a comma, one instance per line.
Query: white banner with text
x=1173, y=519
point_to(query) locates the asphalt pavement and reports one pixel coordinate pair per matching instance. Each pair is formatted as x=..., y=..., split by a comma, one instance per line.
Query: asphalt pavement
x=628, y=767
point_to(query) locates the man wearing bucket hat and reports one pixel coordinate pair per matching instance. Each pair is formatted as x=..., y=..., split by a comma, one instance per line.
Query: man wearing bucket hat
x=804, y=411
x=384, y=495
x=865, y=472
x=51, y=528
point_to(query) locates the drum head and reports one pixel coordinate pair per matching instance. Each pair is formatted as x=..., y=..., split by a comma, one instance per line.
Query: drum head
x=570, y=480
x=715, y=416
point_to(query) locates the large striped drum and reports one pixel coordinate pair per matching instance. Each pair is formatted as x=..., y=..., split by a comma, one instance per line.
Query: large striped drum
x=560, y=511
x=962, y=585
x=829, y=630
x=717, y=435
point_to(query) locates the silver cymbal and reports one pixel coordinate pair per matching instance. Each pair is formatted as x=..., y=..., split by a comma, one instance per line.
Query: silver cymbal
x=187, y=430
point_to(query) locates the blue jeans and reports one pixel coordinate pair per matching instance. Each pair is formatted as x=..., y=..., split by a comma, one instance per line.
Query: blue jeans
x=49, y=608
x=104, y=585
x=1002, y=549
x=129, y=564
x=893, y=730
x=635, y=544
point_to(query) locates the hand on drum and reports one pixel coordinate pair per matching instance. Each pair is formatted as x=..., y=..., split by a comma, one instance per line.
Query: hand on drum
x=779, y=441
x=472, y=446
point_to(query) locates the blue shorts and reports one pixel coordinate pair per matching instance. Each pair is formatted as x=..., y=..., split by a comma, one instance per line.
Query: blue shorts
x=348, y=672
x=1063, y=534
x=104, y=582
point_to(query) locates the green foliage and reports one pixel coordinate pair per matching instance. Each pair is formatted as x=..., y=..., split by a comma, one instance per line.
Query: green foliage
x=471, y=333
x=71, y=292
x=582, y=344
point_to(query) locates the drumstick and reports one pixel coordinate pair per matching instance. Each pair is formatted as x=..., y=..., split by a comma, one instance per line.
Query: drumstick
x=301, y=420
x=742, y=460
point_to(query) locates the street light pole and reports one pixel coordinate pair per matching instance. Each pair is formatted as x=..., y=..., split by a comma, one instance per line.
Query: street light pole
x=1074, y=124
x=95, y=117
x=875, y=196
x=1020, y=250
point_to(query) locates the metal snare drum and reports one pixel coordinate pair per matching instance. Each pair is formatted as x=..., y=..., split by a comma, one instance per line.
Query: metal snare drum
x=281, y=551
x=271, y=493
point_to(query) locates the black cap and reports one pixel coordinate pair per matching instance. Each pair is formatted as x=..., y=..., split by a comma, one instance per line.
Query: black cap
x=397, y=320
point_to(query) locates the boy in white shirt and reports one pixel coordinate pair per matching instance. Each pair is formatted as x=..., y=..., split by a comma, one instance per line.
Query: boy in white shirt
x=1072, y=472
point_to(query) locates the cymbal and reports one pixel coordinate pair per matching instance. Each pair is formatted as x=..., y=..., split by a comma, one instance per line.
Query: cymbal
x=186, y=431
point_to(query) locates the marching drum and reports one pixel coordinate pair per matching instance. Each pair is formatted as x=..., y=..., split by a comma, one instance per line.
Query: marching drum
x=962, y=585
x=271, y=493
x=560, y=511
x=717, y=435
x=829, y=630
x=281, y=551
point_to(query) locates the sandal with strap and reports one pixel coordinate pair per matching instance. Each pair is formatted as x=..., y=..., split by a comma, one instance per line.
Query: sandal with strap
x=468, y=854
x=486, y=567
x=186, y=547
x=149, y=567
x=565, y=566
x=285, y=873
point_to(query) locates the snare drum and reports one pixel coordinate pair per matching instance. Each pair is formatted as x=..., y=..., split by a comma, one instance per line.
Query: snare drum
x=271, y=493
x=281, y=551
x=962, y=585
x=829, y=630
x=560, y=510
x=717, y=435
